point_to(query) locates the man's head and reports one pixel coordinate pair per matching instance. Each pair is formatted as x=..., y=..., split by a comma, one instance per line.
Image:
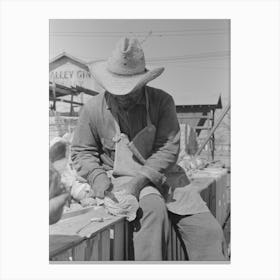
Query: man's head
x=125, y=70
x=128, y=100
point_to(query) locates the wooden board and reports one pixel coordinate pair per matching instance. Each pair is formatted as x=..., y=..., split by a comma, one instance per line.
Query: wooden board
x=65, y=256
x=92, y=248
x=105, y=245
x=60, y=243
x=71, y=225
x=118, y=244
x=79, y=252
x=73, y=213
x=215, y=195
x=63, y=235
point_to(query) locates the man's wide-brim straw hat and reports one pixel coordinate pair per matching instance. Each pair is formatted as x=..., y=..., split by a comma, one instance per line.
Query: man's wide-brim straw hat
x=125, y=70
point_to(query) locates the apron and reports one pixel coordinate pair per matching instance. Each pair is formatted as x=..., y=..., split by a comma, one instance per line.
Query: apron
x=130, y=157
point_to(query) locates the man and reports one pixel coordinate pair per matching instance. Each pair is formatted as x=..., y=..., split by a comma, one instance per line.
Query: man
x=128, y=138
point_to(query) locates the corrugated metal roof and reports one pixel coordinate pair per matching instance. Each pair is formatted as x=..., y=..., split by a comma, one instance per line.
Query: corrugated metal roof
x=53, y=64
x=69, y=56
x=195, y=99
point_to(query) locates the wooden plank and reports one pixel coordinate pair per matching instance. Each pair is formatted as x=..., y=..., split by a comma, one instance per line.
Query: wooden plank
x=112, y=236
x=60, y=243
x=65, y=101
x=202, y=127
x=72, y=225
x=54, y=96
x=205, y=196
x=212, y=198
x=64, y=256
x=221, y=199
x=73, y=213
x=92, y=249
x=126, y=241
x=193, y=117
x=79, y=252
x=118, y=251
x=86, y=91
x=105, y=245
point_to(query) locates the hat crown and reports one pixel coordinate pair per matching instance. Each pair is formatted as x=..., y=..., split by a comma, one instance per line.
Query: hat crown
x=127, y=58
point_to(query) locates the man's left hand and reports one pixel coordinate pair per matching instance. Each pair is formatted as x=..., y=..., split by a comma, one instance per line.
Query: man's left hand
x=135, y=185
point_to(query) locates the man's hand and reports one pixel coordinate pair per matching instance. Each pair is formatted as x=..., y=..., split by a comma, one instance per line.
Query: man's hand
x=135, y=185
x=101, y=185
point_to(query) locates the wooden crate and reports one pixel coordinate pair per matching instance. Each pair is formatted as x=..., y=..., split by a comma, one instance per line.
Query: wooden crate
x=216, y=196
x=107, y=244
x=111, y=241
x=102, y=241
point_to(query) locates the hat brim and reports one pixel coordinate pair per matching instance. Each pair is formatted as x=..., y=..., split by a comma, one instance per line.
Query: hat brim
x=121, y=84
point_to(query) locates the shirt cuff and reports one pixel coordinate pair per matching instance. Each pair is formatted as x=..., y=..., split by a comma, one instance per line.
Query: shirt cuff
x=100, y=180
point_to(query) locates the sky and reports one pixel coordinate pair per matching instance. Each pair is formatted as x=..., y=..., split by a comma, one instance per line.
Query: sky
x=195, y=53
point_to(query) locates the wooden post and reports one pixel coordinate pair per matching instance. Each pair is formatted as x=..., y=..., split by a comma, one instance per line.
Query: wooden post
x=71, y=106
x=54, y=96
x=213, y=136
x=209, y=129
x=221, y=117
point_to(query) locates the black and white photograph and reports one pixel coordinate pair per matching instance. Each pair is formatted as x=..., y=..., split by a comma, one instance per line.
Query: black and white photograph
x=139, y=140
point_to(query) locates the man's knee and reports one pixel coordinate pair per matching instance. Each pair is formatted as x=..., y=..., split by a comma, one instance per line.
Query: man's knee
x=153, y=207
x=213, y=230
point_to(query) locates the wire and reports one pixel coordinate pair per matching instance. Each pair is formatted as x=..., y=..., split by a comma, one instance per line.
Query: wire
x=206, y=55
x=159, y=33
x=198, y=57
x=143, y=32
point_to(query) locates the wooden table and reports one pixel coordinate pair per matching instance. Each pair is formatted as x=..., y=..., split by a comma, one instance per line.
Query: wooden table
x=99, y=241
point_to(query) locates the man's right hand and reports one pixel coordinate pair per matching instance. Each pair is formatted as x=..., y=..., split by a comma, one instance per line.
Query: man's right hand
x=100, y=185
x=102, y=191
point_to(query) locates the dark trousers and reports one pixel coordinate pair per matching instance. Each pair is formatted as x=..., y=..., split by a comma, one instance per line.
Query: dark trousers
x=201, y=233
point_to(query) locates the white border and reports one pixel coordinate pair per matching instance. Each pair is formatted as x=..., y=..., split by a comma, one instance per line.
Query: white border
x=255, y=137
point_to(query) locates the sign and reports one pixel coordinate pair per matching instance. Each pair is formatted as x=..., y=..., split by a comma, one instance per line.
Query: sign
x=71, y=75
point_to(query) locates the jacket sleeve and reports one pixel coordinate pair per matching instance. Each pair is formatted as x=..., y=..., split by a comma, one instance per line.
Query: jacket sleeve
x=85, y=152
x=166, y=145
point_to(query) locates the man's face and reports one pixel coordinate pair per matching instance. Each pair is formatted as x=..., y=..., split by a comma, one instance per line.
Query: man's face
x=129, y=99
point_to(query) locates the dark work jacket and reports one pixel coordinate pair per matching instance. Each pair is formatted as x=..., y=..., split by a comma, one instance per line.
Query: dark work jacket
x=93, y=145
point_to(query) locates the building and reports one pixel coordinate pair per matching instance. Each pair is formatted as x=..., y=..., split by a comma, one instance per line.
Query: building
x=71, y=85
